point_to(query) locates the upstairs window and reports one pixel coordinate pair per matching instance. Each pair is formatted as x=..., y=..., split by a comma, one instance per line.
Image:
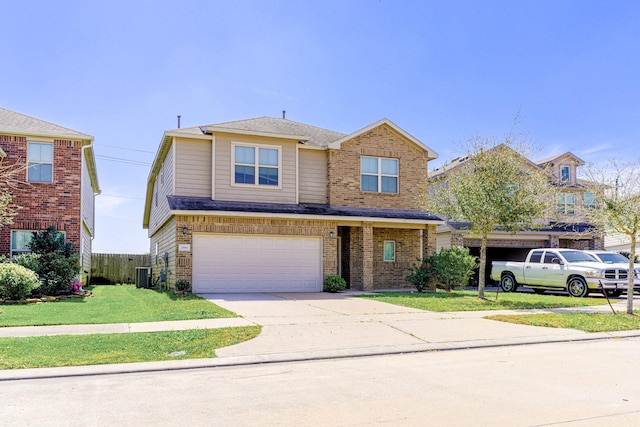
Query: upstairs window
x=566, y=204
x=39, y=162
x=379, y=175
x=565, y=173
x=589, y=201
x=255, y=165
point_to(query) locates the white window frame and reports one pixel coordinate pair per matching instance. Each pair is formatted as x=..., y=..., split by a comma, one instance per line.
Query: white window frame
x=31, y=163
x=568, y=168
x=565, y=207
x=255, y=165
x=380, y=175
x=384, y=250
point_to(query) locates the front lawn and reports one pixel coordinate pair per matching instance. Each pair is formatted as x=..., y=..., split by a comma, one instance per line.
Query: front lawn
x=468, y=300
x=77, y=350
x=113, y=304
x=587, y=322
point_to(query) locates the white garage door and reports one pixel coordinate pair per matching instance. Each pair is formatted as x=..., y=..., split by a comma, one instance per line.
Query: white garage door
x=256, y=264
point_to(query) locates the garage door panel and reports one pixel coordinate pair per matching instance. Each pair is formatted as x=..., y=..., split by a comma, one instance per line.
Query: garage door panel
x=256, y=264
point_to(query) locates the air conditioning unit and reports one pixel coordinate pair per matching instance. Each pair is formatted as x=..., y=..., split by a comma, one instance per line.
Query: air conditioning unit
x=143, y=277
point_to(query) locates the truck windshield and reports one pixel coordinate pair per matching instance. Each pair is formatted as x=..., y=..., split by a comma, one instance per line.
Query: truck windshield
x=578, y=256
x=611, y=257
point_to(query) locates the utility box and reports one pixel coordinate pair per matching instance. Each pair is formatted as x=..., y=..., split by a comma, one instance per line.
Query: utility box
x=143, y=277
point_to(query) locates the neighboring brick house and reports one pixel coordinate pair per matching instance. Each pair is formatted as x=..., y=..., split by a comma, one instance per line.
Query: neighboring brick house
x=567, y=230
x=58, y=186
x=270, y=204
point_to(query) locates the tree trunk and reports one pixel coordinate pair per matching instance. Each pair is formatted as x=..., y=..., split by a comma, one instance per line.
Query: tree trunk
x=631, y=276
x=483, y=266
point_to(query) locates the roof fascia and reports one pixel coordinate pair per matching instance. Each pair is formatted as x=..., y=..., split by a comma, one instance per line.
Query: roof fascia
x=218, y=129
x=307, y=217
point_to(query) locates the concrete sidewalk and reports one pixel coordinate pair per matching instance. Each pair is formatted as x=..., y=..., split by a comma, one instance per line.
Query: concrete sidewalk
x=298, y=327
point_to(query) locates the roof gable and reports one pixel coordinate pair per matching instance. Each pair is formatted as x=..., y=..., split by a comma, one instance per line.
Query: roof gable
x=430, y=153
x=560, y=158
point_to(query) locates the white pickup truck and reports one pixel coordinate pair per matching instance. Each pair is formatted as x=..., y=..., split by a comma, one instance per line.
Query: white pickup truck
x=574, y=271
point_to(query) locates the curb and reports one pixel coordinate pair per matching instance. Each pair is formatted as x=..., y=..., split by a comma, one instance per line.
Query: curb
x=317, y=355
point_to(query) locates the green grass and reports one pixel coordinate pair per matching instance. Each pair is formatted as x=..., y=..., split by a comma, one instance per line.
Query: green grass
x=77, y=350
x=468, y=301
x=587, y=322
x=113, y=304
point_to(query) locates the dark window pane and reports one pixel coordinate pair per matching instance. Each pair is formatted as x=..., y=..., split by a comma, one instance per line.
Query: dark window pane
x=245, y=175
x=389, y=185
x=268, y=176
x=369, y=183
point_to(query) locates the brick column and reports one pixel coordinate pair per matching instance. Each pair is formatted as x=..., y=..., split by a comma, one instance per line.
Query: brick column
x=366, y=240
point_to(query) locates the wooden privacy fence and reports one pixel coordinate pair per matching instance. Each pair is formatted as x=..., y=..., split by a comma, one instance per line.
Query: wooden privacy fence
x=112, y=269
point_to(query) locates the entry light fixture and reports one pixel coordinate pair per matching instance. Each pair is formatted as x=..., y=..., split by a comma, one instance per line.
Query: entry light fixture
x=184, y=230
x=332, y=234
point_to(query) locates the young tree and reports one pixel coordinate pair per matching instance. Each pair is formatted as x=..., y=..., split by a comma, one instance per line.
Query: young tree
x=496, y=187
x=9, y=173
x=616, y=189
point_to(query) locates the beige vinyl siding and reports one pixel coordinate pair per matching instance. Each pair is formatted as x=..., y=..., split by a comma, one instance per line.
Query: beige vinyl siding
x=166, y=239
x=87, y=201
x=443, y=240
x=224, y=171
x=162, y=187
x=193, y=167
x=617, y=242
x=85, y=254
x=312, y=176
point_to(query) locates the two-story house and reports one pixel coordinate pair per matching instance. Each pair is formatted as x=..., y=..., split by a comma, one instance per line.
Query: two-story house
x=270, y=204
x=566, y=228
x=59, y=183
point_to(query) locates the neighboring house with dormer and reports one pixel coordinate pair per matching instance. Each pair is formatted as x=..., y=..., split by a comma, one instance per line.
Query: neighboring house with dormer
x=567, y=229
x=60, y=183
x=270, y=204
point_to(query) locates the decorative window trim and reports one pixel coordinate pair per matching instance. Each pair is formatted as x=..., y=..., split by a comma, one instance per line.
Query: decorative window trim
x=256, y=165
x=31, y=163
x=380, y=175
x=389, y=248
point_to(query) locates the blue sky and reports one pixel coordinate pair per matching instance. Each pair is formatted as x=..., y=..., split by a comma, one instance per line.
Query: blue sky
x=445, y=71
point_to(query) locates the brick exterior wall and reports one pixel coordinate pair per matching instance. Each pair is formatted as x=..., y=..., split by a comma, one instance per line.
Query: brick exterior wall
x=258, y=226
x=391, y=274
x=47, y=204
x=383, y=141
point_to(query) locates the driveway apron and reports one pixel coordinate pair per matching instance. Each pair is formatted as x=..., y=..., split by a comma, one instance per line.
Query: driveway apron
x=309, y=322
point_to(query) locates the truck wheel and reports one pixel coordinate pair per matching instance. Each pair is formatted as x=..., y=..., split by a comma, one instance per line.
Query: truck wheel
x=508, y=283
x=614, y=292
x=577, y=287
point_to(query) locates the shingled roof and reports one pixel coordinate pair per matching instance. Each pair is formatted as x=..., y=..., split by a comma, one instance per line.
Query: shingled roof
x=308, y=134
x=21, y=124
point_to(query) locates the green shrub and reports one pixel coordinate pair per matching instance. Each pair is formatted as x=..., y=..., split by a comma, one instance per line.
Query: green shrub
x=30, y=261
x=453, y=267
x=334, y=284
x=16, y=281
x=419, y=274
x=182, y=285
x=58, y=264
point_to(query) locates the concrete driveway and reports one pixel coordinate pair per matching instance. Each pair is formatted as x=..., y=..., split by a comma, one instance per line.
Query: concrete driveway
x=323, y=322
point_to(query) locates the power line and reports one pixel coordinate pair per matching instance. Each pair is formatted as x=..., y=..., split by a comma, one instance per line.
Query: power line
x=121, y=160
x=121, y=197
x=125, y=148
